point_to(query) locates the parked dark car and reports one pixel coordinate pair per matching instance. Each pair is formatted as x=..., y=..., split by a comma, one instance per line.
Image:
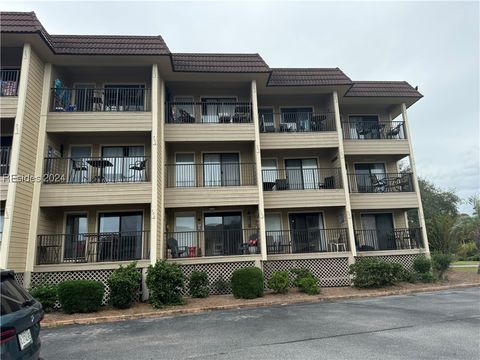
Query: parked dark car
x=19, y=321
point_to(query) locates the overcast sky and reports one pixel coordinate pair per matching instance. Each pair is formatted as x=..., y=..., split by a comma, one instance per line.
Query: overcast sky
x=432, y=45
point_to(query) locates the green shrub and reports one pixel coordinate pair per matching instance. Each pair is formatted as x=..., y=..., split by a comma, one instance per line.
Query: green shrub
x=279, y=282
x=422, y=265
x=222, y=286
x=425, y=277
x=165, y=281
x=198, y=285
x=308, y=285
x=441, y=263
x=124, y=283
x=247, y=283
x=305, y=281
x=46, y=295
x=467, y=252
x=80, y=296
x=374, y=273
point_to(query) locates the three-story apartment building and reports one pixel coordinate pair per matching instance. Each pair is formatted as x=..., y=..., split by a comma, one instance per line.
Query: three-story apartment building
x=114, y=149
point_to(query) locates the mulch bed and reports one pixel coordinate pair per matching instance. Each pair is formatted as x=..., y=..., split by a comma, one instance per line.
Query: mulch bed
x=219, y=302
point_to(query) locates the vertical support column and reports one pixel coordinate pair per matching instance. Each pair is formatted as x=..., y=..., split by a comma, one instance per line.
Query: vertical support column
x=41, y=145
x=161, y=171
x=421, y=218
x=154, y=207
x=258, y=169
x=343, y=174
x=14, y=156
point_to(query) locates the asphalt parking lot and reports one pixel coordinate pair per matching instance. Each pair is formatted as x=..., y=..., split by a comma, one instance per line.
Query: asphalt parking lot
x=438, y=325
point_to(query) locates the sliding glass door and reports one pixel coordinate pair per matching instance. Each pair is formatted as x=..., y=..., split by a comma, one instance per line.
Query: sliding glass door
x=120, y=236
x=378, y=231
x=369, y=177
x=223, y=234
x=185, y=170
x=221, y=169
x=76, y=228
x=215, y=110
x=302, y=174
x=307, y=233
x=123, y=163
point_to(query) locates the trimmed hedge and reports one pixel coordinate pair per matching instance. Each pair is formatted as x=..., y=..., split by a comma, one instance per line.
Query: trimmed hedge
x=441, y=263
x=45, y=295
x=374, y=273
x=279, y=282
x=198, y=284
x=80, y=296
x=422, y=265
x=247, y=283
x=124, y=283
x=165, y=281
x=305, y=281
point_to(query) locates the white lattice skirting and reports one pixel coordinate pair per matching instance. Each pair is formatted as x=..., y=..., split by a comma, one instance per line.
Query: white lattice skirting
x=19, y=278
x=216, y=272
x=330, y=272
x=405, y=260
x=60, y=276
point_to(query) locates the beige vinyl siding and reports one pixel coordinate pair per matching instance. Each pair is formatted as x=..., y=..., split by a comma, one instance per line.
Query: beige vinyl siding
x=3, y=189
x=390, y=165
x=324, y=139
x=211, y=196
x=26, y=165
x=395, y=200
x=303, y=198
x=8, y=106
x=209, y=132
x=95, y=194
x=376, y=147
x=99, y=121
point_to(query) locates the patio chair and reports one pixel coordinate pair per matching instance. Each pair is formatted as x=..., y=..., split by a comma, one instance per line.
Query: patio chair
x=172, y=245
x=281, y=184
x=77, y=166
x=185, y=117
x=139, y=165
x=393, y=132
x=378, y=185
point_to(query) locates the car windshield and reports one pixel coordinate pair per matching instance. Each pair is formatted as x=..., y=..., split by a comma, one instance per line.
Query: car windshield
x=13, y=296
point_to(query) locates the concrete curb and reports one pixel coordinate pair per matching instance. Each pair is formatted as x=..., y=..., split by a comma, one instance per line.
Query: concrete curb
x=259, y=303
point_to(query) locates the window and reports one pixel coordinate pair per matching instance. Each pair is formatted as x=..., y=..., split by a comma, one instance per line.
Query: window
x=185, y=231
x=13, y=296
x=124, y=97
x=126, y=163
x=302, y=174
x=185, y=170
x=216, y=110
x=78, y=164
x=269, y=173
x=266, y=119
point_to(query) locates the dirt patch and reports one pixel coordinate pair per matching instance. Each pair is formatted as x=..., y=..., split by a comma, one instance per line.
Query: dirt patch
x=219, y=302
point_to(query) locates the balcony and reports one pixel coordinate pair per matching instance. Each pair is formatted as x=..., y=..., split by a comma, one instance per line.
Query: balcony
x=382, y=191
x=100, y=109
x=209, y=121
x=302, y=187
x=9, y=83
x=194, y=244
x=394, y=239
x=93, y=247
x=307, y=241
x=375, y=137
x=92, y=170
x=297, y=129
x=5, y=160
x=9, y=92
x=96, y=181
x=219, y=184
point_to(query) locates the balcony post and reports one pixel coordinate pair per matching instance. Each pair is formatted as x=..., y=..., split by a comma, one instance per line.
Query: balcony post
x=421, y=217
x=343, y=174
x=258, y=170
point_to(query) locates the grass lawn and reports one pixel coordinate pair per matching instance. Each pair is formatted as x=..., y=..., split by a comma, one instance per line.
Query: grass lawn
x=470, y=269
x=465, y=263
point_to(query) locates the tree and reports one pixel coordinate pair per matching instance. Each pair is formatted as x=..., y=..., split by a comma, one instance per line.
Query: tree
x=441, y=237
x=437, y=201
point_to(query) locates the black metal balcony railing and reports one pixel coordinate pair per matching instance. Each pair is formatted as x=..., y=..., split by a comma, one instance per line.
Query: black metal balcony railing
x=210, y=175
x=307, y=241
x=108, y=169
x=5, y=160
x=301, y=179
x=394, y=239
x=297, y=122
x=105, y=99
x=9, y=82
x=212, y=243
x=368, y=130
x=93, y=247
x=208, y=112
x=380, y=183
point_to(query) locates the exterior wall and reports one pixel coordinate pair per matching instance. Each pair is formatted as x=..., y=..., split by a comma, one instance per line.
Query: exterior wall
x=8, y=106
x=376, y=147
x=72, y=122
x=398, y=200
x=213, y=196
x=312, y=140
x=209, y=132
x=326, y=158
x=24, y=149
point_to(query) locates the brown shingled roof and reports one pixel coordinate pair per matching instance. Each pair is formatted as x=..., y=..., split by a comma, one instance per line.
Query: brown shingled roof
x=220, y=63
x=308, y=77
x=382, y=89
x=27, y=22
